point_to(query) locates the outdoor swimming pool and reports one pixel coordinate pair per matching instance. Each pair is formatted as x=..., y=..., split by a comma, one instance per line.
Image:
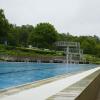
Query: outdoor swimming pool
x=18, y=73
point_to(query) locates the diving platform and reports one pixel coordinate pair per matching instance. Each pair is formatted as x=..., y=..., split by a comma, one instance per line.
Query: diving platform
x=72, y=51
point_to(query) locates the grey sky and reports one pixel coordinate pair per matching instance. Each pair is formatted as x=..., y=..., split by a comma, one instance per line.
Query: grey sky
x=79, y=17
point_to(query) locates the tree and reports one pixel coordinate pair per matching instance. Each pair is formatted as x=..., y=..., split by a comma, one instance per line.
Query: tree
x=97, y=50
x=4, y=27
x=65, y=37
x=44, y=35
x=19, y=35
x=25, y=31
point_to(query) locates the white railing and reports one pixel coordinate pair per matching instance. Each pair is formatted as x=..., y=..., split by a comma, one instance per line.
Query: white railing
x=70, y=44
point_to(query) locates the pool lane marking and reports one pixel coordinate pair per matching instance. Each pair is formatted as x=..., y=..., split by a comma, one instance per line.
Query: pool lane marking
x=44, y=91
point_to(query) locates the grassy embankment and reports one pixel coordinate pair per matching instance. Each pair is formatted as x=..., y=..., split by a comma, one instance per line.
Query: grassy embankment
x=20, y=51
x=92, y=58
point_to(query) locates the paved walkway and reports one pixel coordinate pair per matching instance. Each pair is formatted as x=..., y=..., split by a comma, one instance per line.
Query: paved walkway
x=77, y=89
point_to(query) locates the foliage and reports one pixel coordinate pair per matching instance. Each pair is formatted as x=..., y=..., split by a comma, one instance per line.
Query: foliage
x=21, y=51
x=4, y=27
x=19, y=35
x=92, y=59
x=43, y=35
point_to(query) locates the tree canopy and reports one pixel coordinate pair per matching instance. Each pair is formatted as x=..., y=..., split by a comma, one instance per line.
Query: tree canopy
x=4, y=27
x=43, y=35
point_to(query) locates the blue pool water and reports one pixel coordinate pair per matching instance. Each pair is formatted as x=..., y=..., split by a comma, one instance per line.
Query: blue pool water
x=15, y=73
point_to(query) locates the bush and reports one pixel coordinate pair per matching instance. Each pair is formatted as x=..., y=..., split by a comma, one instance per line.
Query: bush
x=10, y=47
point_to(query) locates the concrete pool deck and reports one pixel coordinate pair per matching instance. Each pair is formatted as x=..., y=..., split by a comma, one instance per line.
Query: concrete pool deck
x=85, y=89
x=49, y=89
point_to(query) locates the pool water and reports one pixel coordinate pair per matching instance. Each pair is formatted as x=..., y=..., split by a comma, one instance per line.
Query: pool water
x=18, y=73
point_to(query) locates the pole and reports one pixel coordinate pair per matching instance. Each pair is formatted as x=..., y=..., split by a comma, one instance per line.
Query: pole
x=67, y=55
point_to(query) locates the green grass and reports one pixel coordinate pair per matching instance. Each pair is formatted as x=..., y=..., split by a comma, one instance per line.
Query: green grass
x=92, y=58
x=21, y=51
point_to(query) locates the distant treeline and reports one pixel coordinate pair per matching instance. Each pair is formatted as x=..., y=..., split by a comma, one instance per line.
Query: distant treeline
x=43, y=35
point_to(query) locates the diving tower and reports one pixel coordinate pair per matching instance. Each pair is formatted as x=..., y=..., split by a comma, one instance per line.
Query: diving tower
x=72, y=51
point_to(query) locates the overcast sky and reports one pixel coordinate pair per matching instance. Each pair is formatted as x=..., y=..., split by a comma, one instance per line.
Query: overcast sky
x=79, y=17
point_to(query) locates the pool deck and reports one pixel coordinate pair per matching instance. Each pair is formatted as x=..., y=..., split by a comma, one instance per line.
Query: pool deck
x=66, y=87
x=84, y=89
